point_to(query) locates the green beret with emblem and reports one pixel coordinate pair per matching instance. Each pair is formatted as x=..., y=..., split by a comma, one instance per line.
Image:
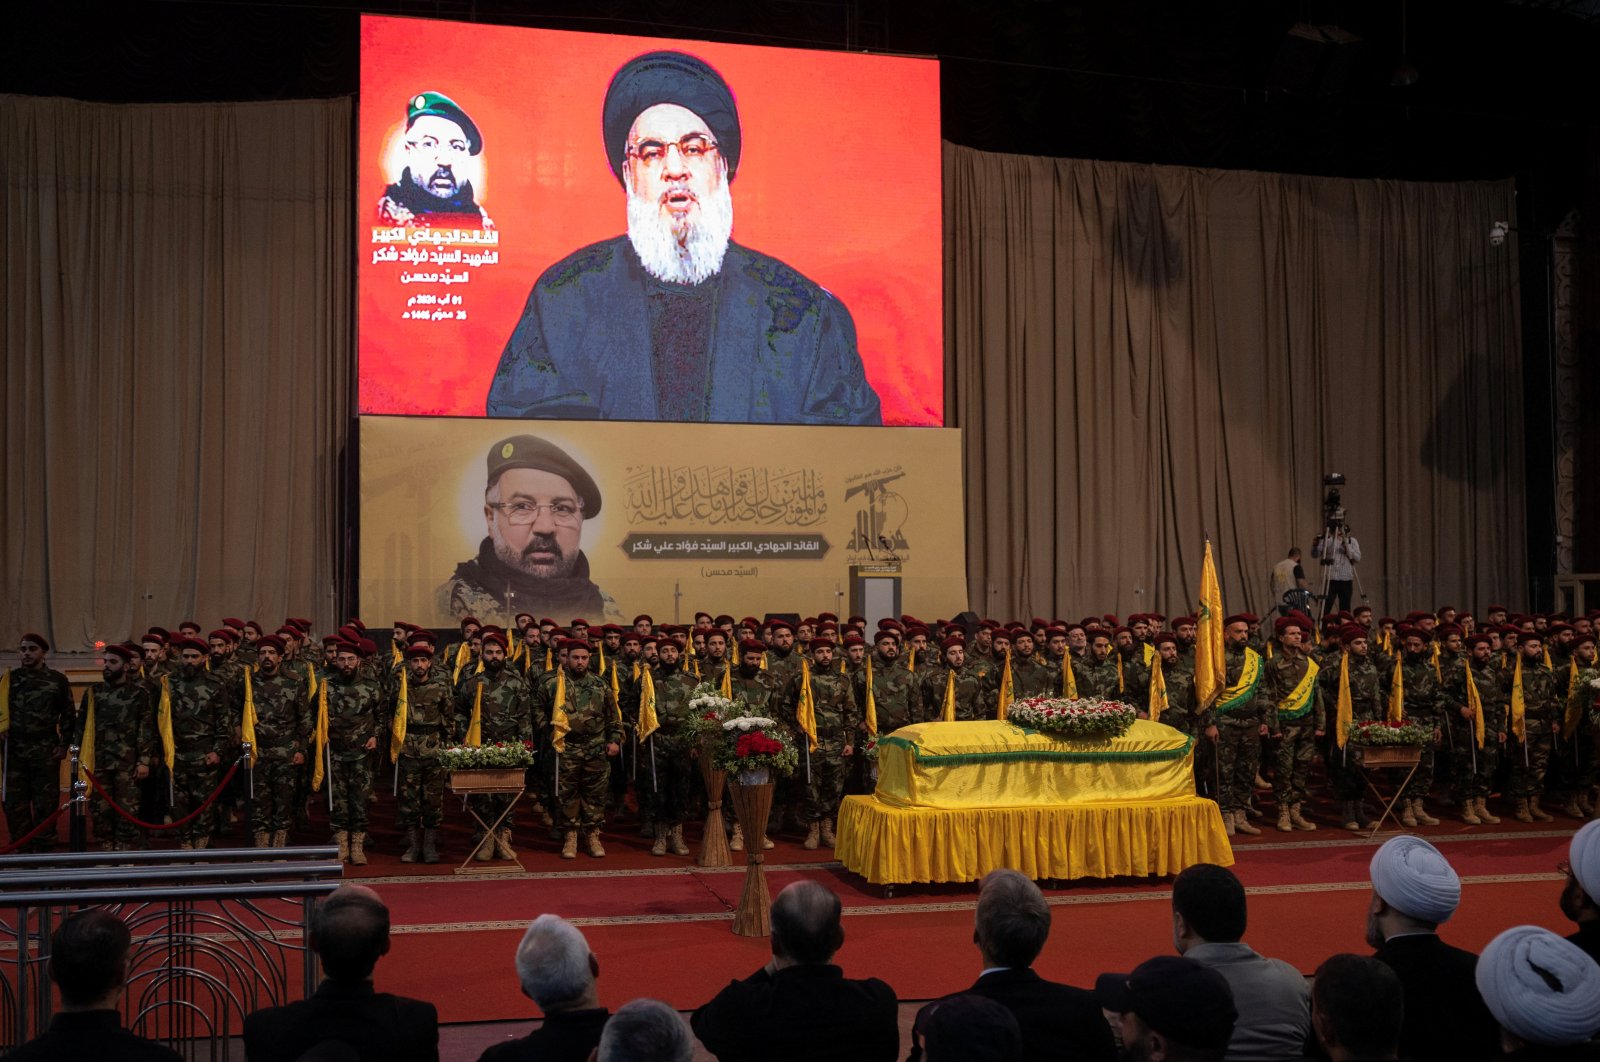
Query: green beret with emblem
x=441, y=106
x=530, y=451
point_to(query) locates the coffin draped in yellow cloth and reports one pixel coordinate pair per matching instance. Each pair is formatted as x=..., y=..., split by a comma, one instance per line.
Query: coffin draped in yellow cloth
x=957, y=800
x=990, y=764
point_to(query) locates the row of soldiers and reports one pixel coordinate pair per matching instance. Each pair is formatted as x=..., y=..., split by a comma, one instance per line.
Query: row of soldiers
x=327, y=713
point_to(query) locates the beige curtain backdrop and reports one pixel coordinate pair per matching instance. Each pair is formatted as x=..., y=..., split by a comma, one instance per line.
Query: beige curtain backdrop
x=177, y=338
x=1142, y=355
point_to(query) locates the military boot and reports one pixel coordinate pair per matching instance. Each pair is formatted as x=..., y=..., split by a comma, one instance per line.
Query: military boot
x=263, y=839
x=502, y=844
x=485, y=850
x=828, y=838
x=1298, y=820
x=736, y=842
x=430, y=845
x=569, y=845
x=1285, y=823
x=659, y=848
x=1347, y=812
x=1408, y=817
x=1469, y=812
x=280, y=839
x=1364, y=815
x=1572, y=809
x=413, y=850
x=358, y=849
x=1242, y=823
x=342, y=839
x=813, y=837
x=1485, y=814
x=1524, y=814
x=675, y=841
x=1228, y=824
x=205, y=841
x=1421, y=812
x=1539, y=814
x=593, y=846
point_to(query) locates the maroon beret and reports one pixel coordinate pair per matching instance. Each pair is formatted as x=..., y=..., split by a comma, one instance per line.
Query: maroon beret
x=751, y=645
x=270, y=641
x=36, y=639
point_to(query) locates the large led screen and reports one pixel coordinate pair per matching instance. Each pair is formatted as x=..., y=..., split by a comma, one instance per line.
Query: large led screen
x=584, y=226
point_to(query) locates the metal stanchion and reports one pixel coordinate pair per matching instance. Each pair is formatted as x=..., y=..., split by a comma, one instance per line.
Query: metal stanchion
x=77, y=806
x=249, y=816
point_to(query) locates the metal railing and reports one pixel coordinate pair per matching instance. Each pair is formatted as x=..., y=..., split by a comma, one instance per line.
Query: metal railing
x=215, y=936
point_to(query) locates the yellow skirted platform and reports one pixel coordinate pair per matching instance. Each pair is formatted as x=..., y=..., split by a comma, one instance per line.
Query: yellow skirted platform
x=957, y=800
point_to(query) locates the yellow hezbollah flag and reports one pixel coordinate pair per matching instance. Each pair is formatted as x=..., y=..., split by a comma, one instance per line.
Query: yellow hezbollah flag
x=169, y=749
x=1158, y=690
x=1569, y=725
x=805, y=713
x=247, y=728
x=320, y=740
x=872, y=704
x=402, y=713
x=475, y=727
x=1122, y=686
x=649, y=722
x=559, y=723
x=727, y=677
x=1003, y=702
x=463, y=654
x=5, y=702
x=948, y=713
x=86, y=748
x=1210, y=662
x=1069, y=676
x=1343, y=708
x=1475, y=702
x=1519, y=706
x=1397, y=694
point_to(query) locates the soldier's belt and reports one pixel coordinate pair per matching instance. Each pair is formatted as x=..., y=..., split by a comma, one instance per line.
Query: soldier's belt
x=424, y=730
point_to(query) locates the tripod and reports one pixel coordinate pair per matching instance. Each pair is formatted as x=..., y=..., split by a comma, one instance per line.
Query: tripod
x=1327, y=542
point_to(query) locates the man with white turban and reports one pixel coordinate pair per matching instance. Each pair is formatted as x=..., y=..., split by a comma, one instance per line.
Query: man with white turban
x=1578, y=898
x=1414, y=890
x=1544, y=992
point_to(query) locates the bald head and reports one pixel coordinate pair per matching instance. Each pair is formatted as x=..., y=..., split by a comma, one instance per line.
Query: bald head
x=350, y=932
x=805, y=924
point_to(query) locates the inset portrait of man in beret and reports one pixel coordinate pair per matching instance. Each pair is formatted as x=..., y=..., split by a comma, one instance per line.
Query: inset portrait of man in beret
x=442, y=146
x=535, y=501
x=674, y=320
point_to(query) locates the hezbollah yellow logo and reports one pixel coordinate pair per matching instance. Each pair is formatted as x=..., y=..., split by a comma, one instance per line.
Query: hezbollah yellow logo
x=507, y=450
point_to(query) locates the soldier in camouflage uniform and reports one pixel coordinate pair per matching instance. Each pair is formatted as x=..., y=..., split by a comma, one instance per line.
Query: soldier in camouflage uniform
x=893, y=693
x=1472, y=768
x=1096, y=676
x=1583, y=703
x=763, y=694
x=1133, y=668
x=430, y=725
x=1366, y=704
x=593, y=739
x=1544, y=712
x=715, y=663
x=1295, y=714
x=782, y=660
x=283, y=735
x=670, y=750
x=969, y=693
x=202, y=738
x=1241, y=726
x=125, y=744
x=505, y=714
x=1424, y=705
x=356, y=716
x=1030, y=676
x=838, y=730
x=41, y=725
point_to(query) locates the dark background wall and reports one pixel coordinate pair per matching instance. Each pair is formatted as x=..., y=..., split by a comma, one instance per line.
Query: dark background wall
x=1501, y=89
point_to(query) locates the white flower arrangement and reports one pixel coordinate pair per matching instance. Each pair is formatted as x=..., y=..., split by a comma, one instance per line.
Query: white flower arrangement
x=748, y=723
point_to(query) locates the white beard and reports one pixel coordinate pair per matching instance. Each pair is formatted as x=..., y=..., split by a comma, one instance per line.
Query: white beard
x=695, y=258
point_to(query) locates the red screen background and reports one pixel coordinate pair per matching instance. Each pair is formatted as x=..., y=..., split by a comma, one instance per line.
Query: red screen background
x=839, y=177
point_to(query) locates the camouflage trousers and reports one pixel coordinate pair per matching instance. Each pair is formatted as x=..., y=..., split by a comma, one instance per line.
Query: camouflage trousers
x=667, y=802
x=273, y=801
x=33, y=789
x=421, y=797
x=1471, y=768
x=582, y=782
x=1238, y=759
x=825, y=789
x=1421, y=783
x=1529, y=760
x=192, y=782
x=350, y=782
x=488, y=807
x=1297, y=751
x=109, y=827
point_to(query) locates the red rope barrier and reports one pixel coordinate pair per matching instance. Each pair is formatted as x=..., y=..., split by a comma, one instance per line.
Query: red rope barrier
x=36, y=831
x=212, y=799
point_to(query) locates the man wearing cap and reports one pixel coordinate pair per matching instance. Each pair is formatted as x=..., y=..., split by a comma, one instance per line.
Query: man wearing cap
x=1422, y=702
x=674, y=321
x=578, y=697
x=1097, y=675
x=124, y=743
x=1356, y=670
x=1295, y=713
x=1030, y=677
x=1544, y=712
x=1414, y=891
x=892, y=685
x=356, y=714
x=668, y=753
x=782, y=660
x=501, y=701
x=1241, y=725
x=838, y=722
x=40, y=726
x=1169, y=1007
x=430, y=725
x=1544, y=992
x=1472, y=682
x=283, y=735
x=202, y=739
x=950, y=689
x=440, y=140
x=536, y=499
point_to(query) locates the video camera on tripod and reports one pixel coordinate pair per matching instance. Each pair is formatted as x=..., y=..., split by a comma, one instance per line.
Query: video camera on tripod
x=1332, y=509
x=1333, y=542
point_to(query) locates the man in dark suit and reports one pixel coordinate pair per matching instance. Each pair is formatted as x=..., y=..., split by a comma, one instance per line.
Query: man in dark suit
x=1058, y=1022
x=1414, y=890
x=349, y=931
x=89, y=964
x=800, y=1006
x=558, y=972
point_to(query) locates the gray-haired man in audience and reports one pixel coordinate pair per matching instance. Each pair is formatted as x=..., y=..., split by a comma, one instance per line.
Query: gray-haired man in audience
x=645, y=1030
x=558, y=972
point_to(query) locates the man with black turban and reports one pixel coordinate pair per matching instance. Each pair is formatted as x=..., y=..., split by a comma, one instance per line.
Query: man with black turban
x=674, y=321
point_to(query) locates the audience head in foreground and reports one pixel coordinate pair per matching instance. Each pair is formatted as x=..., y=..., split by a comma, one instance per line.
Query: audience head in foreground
x=645, y=1030
x=89, y=960
x=1012, y=921
x=1544, y=991
x=1357, y=1008
x=1414, y=889
x=350, y=932
x=806, y=926
x=556, y=967
x=1208, y=907
x=1170, y=1009
x=968, y=1028
x=1580, y=897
